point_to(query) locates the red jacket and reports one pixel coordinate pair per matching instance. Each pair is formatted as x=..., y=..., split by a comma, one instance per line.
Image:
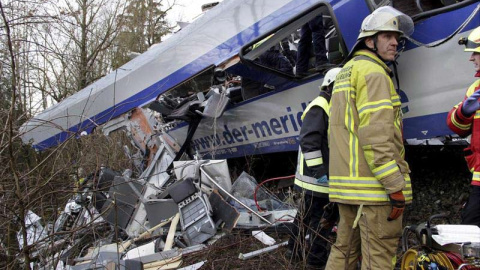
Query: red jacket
x=465, y=126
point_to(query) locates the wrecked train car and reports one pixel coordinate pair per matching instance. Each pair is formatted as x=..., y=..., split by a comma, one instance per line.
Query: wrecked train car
x=227, y=43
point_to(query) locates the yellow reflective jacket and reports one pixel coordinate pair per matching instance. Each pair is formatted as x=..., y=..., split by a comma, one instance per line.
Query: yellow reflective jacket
x=367, y=156
x=312, y=163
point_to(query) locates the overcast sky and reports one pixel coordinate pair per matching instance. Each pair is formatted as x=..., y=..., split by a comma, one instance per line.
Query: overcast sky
x=186, y=10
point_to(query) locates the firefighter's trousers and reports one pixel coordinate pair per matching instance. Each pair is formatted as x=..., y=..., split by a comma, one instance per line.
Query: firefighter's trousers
x=374, y=238
x=471, y=210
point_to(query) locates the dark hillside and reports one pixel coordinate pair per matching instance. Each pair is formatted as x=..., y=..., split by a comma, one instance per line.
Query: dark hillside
x=440, y=180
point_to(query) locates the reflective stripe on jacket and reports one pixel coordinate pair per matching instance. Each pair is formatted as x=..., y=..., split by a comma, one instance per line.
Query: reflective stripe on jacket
x=312, y=162
x=465, y=126
x=366, y=142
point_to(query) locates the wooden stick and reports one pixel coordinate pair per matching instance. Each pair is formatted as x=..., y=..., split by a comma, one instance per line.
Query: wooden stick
x=171, y=232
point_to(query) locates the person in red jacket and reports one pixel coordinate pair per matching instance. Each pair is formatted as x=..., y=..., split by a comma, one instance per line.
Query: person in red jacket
x=464, y=119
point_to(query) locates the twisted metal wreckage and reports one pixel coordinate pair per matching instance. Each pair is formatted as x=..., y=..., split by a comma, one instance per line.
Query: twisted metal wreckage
x=199, y=196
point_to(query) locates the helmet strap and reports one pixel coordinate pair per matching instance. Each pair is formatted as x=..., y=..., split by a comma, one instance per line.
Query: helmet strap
x=328, y=90
x=374, y=39
x=375, y=43
x=375, y=49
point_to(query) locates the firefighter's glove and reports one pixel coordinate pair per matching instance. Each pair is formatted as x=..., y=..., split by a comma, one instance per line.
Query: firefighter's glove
x=323, y=180
x=397, y=200
x=471, y=104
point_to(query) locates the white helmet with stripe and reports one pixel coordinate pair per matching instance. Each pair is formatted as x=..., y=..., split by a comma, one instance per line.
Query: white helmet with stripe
x=330, y=77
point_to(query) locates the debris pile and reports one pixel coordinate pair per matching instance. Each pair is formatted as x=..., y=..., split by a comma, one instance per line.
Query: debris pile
x=153, y=221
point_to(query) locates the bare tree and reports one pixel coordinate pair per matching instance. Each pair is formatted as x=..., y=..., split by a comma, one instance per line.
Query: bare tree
x=10, y=135
x=63, y=46
x=74, y=47
x=50, y=50
x=43, y=53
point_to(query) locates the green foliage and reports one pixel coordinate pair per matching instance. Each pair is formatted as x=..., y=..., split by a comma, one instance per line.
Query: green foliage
x=143, y=25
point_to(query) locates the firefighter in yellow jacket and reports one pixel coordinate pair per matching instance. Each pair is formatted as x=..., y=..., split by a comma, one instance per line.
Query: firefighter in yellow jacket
x=368, y=173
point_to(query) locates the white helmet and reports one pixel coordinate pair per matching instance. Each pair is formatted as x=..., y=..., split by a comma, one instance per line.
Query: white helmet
x=330, y=77
x=386, y=19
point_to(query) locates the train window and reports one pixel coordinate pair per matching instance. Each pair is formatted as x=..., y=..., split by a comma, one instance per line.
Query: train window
x=201, y=82
x=309, y=45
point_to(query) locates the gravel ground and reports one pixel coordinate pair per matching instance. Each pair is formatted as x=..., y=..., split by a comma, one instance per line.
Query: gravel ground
x=440, y=182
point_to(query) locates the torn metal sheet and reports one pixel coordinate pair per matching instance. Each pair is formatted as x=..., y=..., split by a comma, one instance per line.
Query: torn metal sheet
x=195, y=212
x=139, y=125
x=124, y=195
x=217, y=169
x=159, y=210
x=140, y=251
x=248, y=220
x=263, y=237
x=154, y=177
x=223, y=213
x=233, y=197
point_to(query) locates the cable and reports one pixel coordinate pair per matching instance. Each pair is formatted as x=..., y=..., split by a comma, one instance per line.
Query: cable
x=440, y=42
x=265, y=181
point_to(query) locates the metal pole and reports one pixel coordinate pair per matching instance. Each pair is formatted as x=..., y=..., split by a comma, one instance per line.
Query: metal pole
x=233, y=197
x=252, y=254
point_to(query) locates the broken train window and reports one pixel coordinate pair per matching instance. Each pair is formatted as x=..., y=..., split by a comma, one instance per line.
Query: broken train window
x=309, y=45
